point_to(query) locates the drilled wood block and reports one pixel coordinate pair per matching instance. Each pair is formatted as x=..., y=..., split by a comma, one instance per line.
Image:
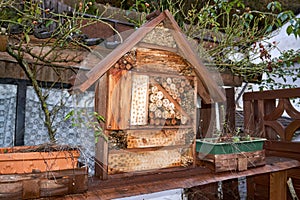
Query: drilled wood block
x=143, y=160
x=156, y=138
x=160, y=61
x=160, y=36
x=139, y=100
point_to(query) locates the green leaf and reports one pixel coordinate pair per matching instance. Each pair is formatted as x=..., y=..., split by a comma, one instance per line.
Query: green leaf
x=283, y=16
x=69, y=115
x=269, y=29
x=289, y=30
x=48, y=23
x=27, y=38
x=100, y=118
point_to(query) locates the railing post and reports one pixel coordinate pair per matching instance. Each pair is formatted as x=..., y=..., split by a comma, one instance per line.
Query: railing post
x=249, y=127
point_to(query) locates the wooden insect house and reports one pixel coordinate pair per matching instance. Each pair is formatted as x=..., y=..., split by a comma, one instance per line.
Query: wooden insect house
x=146, y=89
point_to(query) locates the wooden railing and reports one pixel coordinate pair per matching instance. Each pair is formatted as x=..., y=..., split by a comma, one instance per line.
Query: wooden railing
x=262, y=111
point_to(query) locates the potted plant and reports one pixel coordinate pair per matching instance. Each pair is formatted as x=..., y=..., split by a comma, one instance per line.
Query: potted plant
x=41, y=158
x=231, y=152
x=229, y=145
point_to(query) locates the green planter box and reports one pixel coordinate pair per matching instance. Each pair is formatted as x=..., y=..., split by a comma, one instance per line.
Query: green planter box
x=211, y=146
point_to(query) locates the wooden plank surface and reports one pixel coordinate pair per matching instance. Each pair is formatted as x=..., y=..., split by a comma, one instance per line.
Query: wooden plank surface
x=138, y=185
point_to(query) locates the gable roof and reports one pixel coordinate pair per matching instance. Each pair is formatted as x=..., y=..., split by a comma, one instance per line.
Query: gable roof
x=208, y=88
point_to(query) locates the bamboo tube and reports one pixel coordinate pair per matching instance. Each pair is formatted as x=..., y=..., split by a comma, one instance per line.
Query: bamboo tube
x=152, y=122
x=151, y=115
x=128, y=66
x=173, y=121
x=157, y=121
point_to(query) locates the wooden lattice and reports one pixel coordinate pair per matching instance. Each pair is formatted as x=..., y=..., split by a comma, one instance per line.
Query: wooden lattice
x=262, y=114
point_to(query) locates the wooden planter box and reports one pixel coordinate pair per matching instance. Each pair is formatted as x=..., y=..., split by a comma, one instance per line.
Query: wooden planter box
x=28, y=172
x=234, y=156
x=43, y=185
x=28, y=159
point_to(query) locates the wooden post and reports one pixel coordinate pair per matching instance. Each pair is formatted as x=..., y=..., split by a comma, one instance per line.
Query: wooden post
x=101, y=151
x=278, y=188
x=270, y=105
x=249, y=126
x=230, y=109
x=260, y=118
x=207, y=119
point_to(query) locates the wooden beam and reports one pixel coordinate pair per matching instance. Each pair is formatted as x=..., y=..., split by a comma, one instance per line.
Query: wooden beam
x=272, y=94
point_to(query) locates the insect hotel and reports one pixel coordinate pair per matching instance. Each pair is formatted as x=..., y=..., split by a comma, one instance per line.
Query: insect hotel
x=147, y=90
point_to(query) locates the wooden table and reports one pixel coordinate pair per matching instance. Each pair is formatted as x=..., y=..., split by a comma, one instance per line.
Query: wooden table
x=276, y=167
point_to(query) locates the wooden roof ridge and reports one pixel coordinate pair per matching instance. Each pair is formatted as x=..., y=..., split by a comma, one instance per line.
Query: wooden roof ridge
x=104, y=65
x=211, y=93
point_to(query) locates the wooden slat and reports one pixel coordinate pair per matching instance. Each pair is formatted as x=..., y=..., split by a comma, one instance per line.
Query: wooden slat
x=233, y=162
x=125, y=99
x=101, y=150
x=260, y=115
x=283, y=149
x=119, y=92
x=285, y=154
x=272, y=94
x=278, y=180
x=249, y=126
x=282, y=146
x=101, y=97
x=101, y=158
